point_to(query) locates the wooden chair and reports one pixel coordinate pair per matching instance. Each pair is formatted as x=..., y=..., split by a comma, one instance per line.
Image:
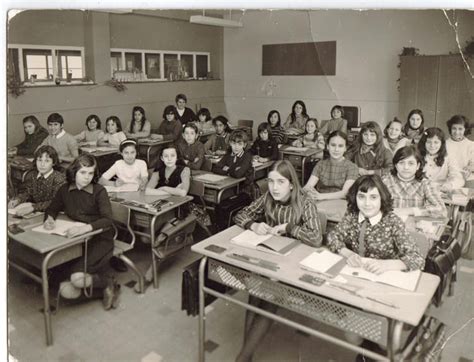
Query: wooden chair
x=196, y=189
x=247, y=124
x=122, y=216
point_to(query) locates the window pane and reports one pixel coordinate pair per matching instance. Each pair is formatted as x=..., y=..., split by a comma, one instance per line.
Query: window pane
x=38, y=64
x=187, y=66
x=201, y=66
x=115, y=62
x=133, y=62
x=69, y=61
x=152, y=66
x=171, y=66
x=13, y=65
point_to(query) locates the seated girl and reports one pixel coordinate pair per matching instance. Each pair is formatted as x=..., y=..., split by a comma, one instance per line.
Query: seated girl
x=368, y=151
x=278, y=132
x=129, y=170
x=92, y=133
x=171, y=177
x=414, y=126
x=412, y=193
x=34, y=136
x=82, y=199
x=139, y=126
x=282, y=210
x=41, y=184
x=191, y=150
x=331, y=178
x=204, y=120
x=170, y=128
x=439, y=168
x=394, y=139
x=336, y=123
x=113, y=135
x=264, y=148
x=297, y=118
x=458, y=145
x=237, y=162
x=385, y=244
x=311, y=137
x=218, y=143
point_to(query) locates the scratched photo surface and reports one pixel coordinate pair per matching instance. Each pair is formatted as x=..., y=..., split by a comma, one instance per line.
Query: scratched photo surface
x=380, y=64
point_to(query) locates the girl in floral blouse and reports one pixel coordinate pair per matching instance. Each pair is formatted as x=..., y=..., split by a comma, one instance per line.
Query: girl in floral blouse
x=386, y=243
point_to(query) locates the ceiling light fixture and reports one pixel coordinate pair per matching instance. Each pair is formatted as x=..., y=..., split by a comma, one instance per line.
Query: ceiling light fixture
x=209, y=20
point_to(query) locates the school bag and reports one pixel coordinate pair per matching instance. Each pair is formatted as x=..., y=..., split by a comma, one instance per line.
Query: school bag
x=174, y=235
x=228, y=208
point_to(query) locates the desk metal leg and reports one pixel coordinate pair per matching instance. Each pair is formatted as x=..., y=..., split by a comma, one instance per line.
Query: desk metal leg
x=153, y=255
x=303, y=162
x=46, y=308
x=202, y=320
x=394, y=339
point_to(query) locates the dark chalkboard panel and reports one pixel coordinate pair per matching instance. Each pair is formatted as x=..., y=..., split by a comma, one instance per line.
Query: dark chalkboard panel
x=315, y=58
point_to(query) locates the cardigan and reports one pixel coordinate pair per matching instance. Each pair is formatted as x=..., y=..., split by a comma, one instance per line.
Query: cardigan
x=32, y=141
x=193, y=153
x=40, y=191
x=387, y=239
x=171, y=130
x=307, y=229
x=380, y=164
x=267, y=149
x=188, y=116
x=239, y=166
x=216, y=142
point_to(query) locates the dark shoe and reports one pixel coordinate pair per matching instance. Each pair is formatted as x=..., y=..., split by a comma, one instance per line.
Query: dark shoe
x=111, y=295
x=371, y=346
x=118, y=264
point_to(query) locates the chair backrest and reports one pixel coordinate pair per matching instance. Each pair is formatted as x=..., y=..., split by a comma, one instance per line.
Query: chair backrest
x=422, y=241
x=206, y=165
x=248, y=125
x=196, y=188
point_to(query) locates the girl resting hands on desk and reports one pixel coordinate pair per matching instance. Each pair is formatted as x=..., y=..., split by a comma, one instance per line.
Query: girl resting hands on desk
x=170, y=177
x=371, y=230
x=283, y=210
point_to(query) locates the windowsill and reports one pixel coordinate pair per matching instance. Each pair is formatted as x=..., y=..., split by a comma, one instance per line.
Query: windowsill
x=53, y=84
x=167, y=80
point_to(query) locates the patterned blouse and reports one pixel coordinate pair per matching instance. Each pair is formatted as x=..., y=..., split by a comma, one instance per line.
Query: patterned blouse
x=307, y=230
x=387, y=239
x=422, y=194
x=40, y=191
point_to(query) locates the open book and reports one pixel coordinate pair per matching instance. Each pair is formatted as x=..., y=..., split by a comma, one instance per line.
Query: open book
x=61, y=227
x=122, y=188
x=209, y=178
x=323, y=261
x=399, y=279
x=272, y=244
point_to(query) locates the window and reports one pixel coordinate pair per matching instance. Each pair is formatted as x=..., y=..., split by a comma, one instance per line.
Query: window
x=44, y=64
x=138, y=65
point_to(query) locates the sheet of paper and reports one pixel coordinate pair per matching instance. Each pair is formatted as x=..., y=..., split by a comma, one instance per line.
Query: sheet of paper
x=61, y=226
x=298, y=149
x=250, y=238
x=321, y=261
x=210, y=177
x=123, y=188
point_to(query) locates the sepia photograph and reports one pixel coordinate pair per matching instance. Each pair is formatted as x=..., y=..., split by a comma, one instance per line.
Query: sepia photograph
x=229, y=184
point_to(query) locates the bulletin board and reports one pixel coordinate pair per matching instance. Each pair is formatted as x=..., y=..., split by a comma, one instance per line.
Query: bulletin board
x=314, y=58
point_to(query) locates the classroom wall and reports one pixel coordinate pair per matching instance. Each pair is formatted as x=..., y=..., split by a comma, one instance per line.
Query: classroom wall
x=368, y=44
x=76, y=102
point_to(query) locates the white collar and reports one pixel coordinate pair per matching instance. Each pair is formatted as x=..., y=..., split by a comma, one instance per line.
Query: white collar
x=373, y=220
x=60, y=134
x=45, y=176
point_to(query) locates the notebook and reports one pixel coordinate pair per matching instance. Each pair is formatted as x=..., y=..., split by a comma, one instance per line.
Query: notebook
x=399, y=279
x=61, y=227
x=323, y=261
x=269, y=243
x=299, y=149
x=209, y=177
x=27, y=216
x=122, y=188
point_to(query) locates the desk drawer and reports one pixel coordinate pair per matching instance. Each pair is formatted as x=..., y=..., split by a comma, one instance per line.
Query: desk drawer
x=339, y=315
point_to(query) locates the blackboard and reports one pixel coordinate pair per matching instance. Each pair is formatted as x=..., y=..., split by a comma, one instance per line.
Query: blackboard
x=315, y=58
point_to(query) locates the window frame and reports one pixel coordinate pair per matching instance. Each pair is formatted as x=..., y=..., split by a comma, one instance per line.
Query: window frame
x=54, y=50
x=161, y=53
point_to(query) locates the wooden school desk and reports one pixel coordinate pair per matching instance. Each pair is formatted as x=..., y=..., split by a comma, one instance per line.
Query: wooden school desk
x=19, y=168
x=142, y=217
x=260, y=169
x=43, y=251
x=298, y=157
x=341, y=309
x=215, y=192
x=148, y=147
x=105, y=155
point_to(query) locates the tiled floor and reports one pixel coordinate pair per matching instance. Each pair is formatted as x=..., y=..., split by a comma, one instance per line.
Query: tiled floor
x=151, y=327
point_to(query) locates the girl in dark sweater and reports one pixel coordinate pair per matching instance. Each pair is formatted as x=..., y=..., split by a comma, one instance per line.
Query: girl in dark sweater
x=34, y=136
x=264, y=147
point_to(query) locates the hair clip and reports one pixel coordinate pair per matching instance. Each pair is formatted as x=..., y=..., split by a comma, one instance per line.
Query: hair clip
x=128, y=141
